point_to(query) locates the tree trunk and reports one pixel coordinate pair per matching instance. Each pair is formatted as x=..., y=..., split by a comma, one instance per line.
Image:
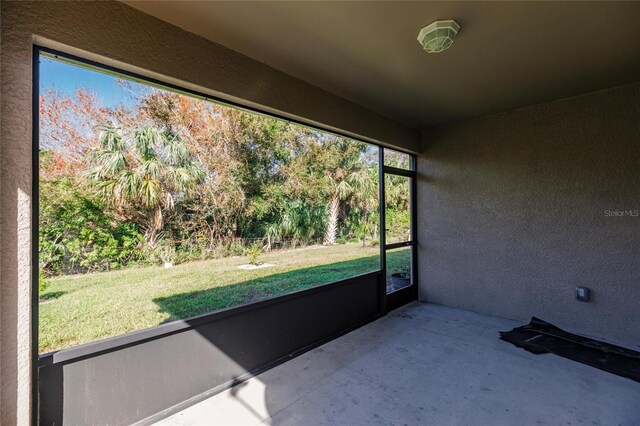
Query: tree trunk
x=151, y=237
x=153, y=227
x=331, y=230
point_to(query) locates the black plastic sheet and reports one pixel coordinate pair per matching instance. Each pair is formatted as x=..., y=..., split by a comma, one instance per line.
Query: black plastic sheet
x=541, y=337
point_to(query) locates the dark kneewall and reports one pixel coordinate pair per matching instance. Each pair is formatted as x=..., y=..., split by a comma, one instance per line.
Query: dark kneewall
x=512, y=214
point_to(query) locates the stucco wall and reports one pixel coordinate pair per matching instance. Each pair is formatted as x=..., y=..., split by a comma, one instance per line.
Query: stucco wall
x=120, y=36
x=512, y=214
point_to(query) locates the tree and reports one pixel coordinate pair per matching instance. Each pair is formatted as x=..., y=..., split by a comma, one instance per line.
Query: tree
x=333, y=172
x=67, y=127
x=362, y=217
x=345, y=176
x=142, y=173
x=204, y=176
x=350, y=180
x=245, y=195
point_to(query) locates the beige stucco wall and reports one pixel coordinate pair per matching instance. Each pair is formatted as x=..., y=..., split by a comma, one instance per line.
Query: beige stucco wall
x=512, y=214
x=117, y=35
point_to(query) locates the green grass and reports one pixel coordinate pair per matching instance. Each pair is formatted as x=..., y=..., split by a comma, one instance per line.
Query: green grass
x=84, y=308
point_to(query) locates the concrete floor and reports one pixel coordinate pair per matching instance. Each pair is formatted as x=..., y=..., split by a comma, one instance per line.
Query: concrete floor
x=424, y=364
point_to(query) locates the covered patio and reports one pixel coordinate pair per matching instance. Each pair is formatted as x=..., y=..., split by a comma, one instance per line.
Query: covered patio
x=423, y=364
x=317, y=212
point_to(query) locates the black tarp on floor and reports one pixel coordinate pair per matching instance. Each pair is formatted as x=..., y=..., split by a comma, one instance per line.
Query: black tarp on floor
x=541, y=337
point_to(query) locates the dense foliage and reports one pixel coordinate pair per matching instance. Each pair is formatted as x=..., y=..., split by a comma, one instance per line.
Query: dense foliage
x=173, y=178
x=77, y=233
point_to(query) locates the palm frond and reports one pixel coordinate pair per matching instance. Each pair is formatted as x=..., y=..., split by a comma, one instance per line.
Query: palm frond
x=344, y=189
x=151, y=168
x=145, y=140
x=110, y=138
x=150, y=193
x=176, y=151
x=127, y=187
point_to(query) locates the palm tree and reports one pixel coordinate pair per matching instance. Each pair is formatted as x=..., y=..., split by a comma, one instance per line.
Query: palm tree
x=142, y=173
x=349, y=180
x=298, y=221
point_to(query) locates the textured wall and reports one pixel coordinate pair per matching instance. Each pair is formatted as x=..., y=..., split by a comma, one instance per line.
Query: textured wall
x=15, y=207
x=121, y=36
x=512, y=214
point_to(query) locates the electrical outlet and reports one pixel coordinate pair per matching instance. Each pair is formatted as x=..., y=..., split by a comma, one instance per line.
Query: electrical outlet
x=583, y=294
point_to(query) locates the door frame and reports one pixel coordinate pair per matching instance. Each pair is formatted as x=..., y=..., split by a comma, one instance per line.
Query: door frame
x=407, y=294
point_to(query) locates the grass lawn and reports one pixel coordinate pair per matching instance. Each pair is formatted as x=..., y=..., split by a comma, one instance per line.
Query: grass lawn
x=84, y=308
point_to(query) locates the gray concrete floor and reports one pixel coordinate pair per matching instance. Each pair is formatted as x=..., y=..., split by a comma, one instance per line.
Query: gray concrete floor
x=424, y=364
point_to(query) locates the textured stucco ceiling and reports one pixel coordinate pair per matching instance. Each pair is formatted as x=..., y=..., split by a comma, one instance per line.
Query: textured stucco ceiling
x=507, y=55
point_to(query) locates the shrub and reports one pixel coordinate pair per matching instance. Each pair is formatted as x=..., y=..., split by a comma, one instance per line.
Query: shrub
x=189, y=250
x=374, y=243
x=341, y=240
x=235, y=248
x=78, y=235
x=398, y=222
x=253, y=253
x=166, y=252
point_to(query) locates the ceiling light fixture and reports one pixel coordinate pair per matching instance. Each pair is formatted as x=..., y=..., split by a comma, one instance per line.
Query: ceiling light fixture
x=438, y=35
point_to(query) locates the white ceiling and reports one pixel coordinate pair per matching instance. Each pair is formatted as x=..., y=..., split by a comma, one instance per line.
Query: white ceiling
x=507, y=55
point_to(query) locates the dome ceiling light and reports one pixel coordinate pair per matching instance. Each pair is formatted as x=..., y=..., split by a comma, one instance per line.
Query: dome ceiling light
x=438, y=35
